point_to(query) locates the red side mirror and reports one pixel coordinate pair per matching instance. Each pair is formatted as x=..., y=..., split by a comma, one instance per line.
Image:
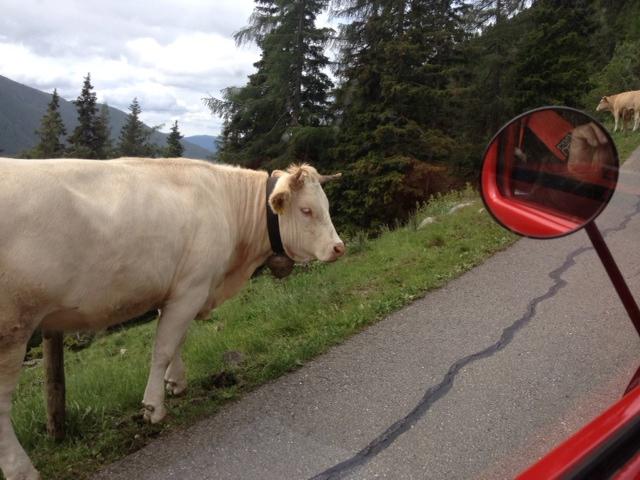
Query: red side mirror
x=549, y=172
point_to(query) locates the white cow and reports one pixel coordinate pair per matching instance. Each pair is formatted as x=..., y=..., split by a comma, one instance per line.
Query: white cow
x=622, y=105
x=86, y=244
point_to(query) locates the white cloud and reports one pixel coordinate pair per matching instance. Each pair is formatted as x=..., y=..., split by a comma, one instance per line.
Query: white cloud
x=169, y=55
x=194, y=54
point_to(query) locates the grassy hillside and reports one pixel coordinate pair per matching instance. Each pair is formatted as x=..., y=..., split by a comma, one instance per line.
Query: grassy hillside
x=22, y=107
x=273, y=325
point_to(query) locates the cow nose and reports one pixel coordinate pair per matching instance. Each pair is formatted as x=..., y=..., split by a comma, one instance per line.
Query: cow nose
x=339, y=249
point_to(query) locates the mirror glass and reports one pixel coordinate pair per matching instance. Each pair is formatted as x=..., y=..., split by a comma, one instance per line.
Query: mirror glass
x=549, y=172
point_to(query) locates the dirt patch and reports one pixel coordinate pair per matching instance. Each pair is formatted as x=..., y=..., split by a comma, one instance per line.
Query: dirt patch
x=224, y=379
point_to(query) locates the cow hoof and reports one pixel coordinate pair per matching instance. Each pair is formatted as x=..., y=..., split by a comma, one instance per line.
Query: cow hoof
x=154, y=414
x=175, y=388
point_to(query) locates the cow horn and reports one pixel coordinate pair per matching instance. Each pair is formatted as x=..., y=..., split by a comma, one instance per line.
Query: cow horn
x=297, y=179
x=326, y=178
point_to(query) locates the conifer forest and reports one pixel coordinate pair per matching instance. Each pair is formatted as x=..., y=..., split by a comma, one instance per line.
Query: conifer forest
x=402, y=96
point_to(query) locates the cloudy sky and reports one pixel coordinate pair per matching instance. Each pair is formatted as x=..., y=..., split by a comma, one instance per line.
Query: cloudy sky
x=167, y=54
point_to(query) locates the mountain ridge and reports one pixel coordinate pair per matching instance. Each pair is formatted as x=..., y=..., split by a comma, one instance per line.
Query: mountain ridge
x=208, y=142
x=22, y=108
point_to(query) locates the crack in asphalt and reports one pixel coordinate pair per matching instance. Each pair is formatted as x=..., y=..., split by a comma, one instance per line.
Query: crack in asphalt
x=436, y=392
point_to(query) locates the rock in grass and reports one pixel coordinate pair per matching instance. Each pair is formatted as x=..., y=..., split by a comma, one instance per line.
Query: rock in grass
x=457, y=207
x=425, y=222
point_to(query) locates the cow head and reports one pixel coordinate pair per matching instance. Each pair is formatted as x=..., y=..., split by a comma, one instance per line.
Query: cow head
x=604, y=104
x=303, y=211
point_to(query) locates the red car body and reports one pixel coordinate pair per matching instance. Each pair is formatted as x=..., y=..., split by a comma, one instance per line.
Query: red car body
x=607, y=447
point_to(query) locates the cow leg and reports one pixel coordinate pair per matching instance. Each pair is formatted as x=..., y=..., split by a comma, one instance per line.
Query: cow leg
x=14, y=462
x=636, y=119
x=172, y=327
x=175, y=378
x=616, y=115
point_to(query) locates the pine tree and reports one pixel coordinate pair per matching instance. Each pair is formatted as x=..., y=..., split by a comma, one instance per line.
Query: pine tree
x=83, y=141
x=396, y=104
x=104, y=146
x=134, y=135
x=395, y=66
x=491, y=58
x=290, y=89
x=50, y=131
x=484, y=13
x=557, y=55
x=174, y=147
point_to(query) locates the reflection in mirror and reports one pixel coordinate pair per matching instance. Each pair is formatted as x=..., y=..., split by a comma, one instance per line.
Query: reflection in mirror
x=549, y=172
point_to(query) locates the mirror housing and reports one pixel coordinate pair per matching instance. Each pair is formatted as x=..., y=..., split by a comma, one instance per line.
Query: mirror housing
x=549, y=172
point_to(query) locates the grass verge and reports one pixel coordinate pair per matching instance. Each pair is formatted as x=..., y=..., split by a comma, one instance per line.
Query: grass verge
x=275, y=325
x=626, y=142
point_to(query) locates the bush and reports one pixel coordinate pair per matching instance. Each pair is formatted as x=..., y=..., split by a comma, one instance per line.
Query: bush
x=621, y=74
x=378, y=191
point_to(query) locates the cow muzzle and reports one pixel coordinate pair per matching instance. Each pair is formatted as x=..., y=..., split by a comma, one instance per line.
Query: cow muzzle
x=337, y=251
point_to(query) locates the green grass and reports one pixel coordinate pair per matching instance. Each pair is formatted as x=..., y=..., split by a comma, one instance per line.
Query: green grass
x=626, y=142
x=277, y=325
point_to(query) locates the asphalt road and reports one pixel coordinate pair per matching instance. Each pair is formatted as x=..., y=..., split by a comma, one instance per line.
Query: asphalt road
x=475, y=380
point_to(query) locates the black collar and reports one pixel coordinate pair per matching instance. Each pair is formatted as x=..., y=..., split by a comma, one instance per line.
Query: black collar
x=273, y=226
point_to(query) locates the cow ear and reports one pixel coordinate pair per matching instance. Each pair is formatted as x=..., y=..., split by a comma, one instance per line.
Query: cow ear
x=279, y=200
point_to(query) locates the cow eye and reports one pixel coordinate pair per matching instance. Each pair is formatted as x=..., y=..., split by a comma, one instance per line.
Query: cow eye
x=306, y=212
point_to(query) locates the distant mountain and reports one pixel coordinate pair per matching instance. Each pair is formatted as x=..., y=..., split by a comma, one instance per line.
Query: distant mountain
x=22, y=107
x=208, y=142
